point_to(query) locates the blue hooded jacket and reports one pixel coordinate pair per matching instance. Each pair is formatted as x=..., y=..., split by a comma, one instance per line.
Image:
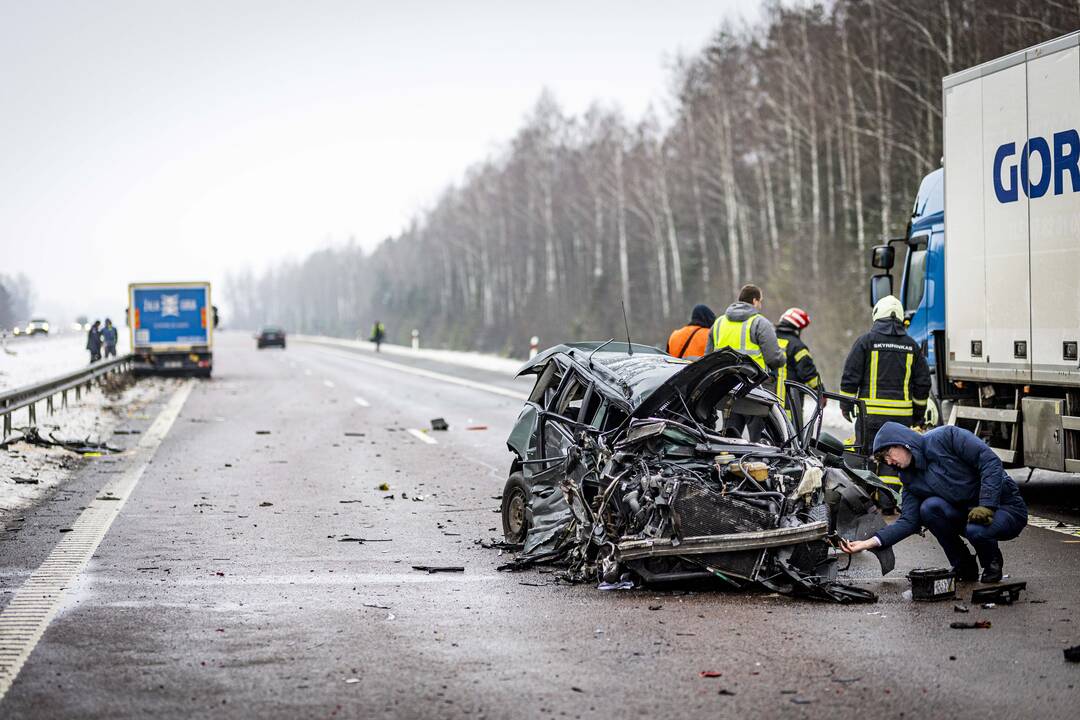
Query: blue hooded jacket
x=950, y=463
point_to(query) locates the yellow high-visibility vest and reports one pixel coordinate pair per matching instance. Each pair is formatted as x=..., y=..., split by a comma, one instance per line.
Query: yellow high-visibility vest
x=781, y=378
x=736, y=335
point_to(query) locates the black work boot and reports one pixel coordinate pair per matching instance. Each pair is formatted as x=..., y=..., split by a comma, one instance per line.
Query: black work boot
x=992, y=570
x=968, y=570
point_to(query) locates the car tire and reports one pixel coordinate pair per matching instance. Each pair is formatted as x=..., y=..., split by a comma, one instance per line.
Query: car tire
x=515, y=503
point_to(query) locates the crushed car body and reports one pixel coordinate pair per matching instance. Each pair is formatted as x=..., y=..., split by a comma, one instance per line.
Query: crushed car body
x=619, y=471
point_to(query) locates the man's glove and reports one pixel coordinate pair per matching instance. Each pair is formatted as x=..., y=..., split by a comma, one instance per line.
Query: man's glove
x=847, y=410
x=931, y=418
x=980, y=515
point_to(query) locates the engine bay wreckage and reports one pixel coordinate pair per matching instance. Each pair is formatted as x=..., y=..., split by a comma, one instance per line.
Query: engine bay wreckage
x=620, y=477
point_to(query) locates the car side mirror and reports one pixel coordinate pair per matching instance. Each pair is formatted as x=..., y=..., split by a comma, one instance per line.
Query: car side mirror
x=880, y=286
x=883, y=257
x=831, y=444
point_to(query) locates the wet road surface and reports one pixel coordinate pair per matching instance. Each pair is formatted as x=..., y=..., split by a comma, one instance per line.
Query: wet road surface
x=223, y=587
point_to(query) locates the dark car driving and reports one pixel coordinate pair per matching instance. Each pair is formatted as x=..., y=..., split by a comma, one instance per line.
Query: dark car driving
x=618, y=471
x=270, y=336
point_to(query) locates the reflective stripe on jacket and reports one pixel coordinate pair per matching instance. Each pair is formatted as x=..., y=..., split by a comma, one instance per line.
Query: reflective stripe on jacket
x=887, y=370
x=736, y=335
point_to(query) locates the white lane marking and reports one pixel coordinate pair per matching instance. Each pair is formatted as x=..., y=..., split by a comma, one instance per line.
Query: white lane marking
x=328, y=383
x=361, y=401
x=24, y=620
x=422, y=436
x=1060, y=527
x=432, y=375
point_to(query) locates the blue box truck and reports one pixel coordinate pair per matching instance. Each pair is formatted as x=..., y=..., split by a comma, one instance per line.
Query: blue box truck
x=172, y=328
x=989, y=276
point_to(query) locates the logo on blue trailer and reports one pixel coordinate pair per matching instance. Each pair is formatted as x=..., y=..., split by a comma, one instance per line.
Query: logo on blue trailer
x=173, y=316
x=1058, y=157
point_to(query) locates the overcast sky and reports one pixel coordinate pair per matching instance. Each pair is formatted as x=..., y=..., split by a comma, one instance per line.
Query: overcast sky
x=178, y=140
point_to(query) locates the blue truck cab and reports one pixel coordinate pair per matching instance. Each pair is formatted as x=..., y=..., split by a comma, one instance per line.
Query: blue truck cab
x=172, y=328
x=922, y=269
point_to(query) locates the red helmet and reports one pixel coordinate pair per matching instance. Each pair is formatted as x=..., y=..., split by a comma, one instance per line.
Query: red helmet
x=796, y=317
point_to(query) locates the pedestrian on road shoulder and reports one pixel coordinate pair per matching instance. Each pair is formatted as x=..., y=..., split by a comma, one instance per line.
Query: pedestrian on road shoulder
x=93, y=341
x=108, y=336
x=378, y=334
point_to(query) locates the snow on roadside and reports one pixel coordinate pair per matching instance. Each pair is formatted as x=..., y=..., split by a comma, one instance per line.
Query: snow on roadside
x=477, y=361
x=35, y=359
x=94, y=417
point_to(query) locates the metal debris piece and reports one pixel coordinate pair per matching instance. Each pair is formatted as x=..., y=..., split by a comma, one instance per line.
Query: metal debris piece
x=262, y=432
x=266, y=504
x=439, y=424
x=961, y=608
x=1072, y=654
x=977, y=625
x=1005, y=594
x=430, y=569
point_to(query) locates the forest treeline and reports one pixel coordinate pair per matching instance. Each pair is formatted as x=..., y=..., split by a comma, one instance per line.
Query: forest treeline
x=16, y=295
x=791, y=147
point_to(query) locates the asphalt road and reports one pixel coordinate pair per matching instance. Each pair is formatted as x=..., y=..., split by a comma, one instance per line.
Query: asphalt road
x=223, y=588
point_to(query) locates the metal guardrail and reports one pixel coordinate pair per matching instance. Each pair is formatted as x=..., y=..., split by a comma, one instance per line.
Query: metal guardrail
x=46, y=391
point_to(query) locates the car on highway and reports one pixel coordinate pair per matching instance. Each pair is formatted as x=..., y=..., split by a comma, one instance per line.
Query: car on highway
x=37, y=326
x=619, y=474
x=270, y=336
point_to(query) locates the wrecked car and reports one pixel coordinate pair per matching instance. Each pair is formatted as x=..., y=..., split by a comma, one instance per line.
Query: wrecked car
x=619, y=473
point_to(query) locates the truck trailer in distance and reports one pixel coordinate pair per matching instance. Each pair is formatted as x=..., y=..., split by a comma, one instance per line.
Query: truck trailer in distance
x=172, y=327
x=990, y=281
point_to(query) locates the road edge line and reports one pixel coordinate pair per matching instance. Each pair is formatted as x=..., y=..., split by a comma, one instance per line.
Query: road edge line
x=24, y=620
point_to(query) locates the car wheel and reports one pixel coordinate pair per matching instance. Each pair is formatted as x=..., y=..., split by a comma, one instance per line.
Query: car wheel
x=515, y=501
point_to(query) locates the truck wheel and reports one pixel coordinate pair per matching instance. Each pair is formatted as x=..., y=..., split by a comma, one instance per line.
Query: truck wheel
x=515, y=501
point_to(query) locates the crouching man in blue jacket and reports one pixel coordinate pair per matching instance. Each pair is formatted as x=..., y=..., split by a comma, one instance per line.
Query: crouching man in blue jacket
x=956, y=487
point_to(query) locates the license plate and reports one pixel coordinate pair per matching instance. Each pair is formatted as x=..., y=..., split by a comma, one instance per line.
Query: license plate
x=173, y=363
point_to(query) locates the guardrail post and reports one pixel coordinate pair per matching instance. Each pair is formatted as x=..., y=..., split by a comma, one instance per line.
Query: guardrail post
x=63, y=399
x=31, y=410
x=534, y=346
x=415, y=339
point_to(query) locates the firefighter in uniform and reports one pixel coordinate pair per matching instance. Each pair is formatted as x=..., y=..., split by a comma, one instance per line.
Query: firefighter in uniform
x=742, y=327
x=800, y=364
x=888, y=372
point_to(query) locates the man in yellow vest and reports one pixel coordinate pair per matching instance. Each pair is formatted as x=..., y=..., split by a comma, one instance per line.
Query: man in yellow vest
x=742, y=327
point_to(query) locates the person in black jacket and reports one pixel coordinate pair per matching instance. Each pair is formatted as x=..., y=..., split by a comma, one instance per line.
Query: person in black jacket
x=887, y=370
x=93, y=341
x=956, y=487
x=800, y=365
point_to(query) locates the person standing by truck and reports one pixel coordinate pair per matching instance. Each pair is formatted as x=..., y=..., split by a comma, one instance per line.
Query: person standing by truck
x=887, y=371
x=108, y=336
x=956, y=487
x=93, y=341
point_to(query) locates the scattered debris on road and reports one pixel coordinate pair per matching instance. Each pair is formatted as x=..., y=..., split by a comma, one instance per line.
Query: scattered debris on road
x=264, y=503
x=977, y=625
x=439, y=424
x=1072, y=654
x=430, y=569
x=961, y=608
x=262, y=432
x=477, y=427
x=86, y=446
x=1005, y=594
x=383, y=486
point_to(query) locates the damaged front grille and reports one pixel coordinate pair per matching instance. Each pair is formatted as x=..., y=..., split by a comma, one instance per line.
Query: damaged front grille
x=700, y=510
